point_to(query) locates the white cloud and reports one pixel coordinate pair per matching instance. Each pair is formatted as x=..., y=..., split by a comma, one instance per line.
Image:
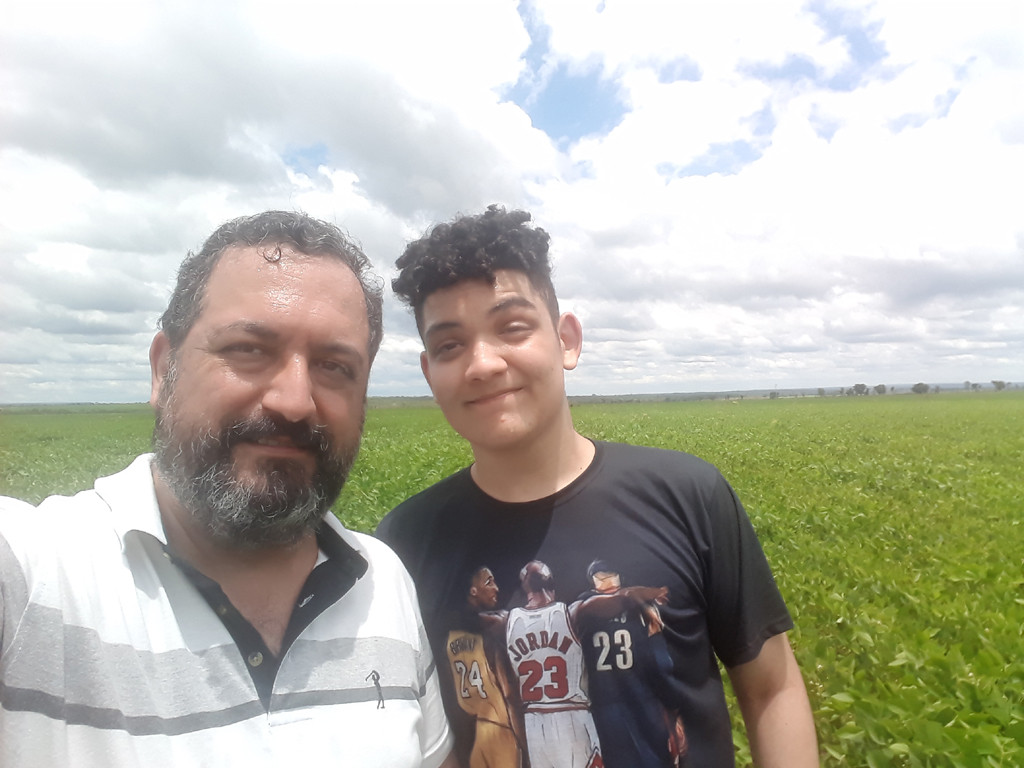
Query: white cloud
x=798, y=194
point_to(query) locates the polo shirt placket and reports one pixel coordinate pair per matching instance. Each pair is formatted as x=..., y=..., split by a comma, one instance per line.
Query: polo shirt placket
x=328, y=582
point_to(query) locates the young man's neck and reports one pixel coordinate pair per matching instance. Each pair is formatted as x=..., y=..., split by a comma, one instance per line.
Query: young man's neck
x=535, y=471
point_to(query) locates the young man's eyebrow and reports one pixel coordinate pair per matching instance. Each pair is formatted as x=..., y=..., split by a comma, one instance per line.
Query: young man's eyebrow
x=441, y=327
x=510, y=302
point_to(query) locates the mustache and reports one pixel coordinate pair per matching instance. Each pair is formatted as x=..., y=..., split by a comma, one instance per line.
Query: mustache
x=300, y=433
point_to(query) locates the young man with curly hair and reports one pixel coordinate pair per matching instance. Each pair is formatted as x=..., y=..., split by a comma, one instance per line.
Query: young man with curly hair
x=495, y=353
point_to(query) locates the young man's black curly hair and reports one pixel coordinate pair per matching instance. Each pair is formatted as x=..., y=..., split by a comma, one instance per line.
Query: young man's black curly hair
x=473, y=248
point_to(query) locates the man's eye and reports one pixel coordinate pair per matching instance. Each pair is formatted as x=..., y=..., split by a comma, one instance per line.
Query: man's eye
x=445, y=348
x=337, y=368
x=242, y=349
x=516, y=329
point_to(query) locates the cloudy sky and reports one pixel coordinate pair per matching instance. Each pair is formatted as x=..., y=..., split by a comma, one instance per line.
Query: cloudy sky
x=740, y=195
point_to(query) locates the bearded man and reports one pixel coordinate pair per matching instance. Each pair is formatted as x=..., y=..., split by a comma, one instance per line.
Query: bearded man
x=204, y=606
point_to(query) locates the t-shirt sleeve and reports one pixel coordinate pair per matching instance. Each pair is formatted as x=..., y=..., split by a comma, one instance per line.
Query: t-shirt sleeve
x=745, y=607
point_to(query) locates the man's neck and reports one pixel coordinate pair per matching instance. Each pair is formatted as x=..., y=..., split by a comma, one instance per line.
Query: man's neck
x=528, y=473
x=263, y=584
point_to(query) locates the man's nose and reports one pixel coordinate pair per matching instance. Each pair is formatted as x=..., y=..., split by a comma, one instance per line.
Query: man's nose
x=485, y=360
x=290, y=391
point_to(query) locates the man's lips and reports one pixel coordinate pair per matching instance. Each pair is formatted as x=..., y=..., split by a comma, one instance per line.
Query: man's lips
x=275, y=444
x=491, y=397
x=275, y=441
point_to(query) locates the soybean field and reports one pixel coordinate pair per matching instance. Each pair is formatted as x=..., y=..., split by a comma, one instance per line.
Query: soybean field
x=893, y=524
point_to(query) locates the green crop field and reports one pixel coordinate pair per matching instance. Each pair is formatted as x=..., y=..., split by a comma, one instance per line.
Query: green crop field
x=893, y=524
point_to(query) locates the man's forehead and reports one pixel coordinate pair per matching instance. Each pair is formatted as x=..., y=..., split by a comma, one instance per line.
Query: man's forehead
x=241, y=256
x=270, y=261
x=261, y=279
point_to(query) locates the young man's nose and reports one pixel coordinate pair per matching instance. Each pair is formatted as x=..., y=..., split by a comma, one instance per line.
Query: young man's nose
x=485, y=360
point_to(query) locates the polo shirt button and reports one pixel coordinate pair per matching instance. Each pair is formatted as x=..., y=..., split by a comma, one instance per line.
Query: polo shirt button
x=222, y=610
x=255, y=659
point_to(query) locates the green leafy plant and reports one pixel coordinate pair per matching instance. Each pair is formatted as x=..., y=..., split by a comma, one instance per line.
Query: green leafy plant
x=893, y=525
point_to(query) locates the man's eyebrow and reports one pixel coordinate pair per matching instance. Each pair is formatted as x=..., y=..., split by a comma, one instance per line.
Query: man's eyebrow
x=343, y=349
x=511, y=302
x=246, y=326
x=441, y=327
x=261, y=331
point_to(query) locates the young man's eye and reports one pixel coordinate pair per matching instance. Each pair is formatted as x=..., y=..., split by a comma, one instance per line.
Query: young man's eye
x=445, y=348
x=518, y=328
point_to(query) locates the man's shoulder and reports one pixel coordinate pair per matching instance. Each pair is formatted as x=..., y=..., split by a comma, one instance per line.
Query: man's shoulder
x=51, y=516
x=648, y=460
x=81, y=519
x=376, y=553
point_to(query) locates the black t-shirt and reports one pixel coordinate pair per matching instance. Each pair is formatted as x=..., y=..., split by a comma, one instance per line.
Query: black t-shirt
x=657, y=518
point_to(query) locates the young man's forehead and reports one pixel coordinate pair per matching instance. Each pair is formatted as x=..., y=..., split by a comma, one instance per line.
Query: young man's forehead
x=509, y=288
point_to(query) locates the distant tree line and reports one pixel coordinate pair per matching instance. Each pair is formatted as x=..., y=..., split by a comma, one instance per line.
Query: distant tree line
x=998, y=384
x=918, y=389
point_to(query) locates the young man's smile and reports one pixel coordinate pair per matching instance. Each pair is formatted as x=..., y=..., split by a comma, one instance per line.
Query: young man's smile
x=494, y=397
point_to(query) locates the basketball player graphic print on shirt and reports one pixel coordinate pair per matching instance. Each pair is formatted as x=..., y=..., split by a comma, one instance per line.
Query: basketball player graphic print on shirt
x=548, y=659
x=481, y=677
x=628, y=671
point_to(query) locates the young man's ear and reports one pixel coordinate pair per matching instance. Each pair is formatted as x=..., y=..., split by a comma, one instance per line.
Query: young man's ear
x=159, y=362
x=425, y=367
x=570, y=333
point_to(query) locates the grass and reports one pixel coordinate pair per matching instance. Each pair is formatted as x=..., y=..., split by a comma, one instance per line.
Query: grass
x=893, y=525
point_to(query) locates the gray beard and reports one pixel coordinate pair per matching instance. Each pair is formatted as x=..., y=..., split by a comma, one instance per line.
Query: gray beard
x=278, y=507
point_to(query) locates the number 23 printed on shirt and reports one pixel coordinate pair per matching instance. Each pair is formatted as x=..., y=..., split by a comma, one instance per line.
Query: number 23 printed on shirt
x=621, y=646
x=534, y=686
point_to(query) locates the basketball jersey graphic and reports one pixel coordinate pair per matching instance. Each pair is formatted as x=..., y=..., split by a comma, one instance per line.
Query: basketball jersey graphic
x=627, y=667
x=480, y=694
x=548, y=658
x=475, y=687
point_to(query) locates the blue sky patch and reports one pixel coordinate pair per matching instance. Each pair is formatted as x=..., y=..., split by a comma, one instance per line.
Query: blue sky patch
x=861, y=37
x=679, y=69
x=865, y=49
x=941, y=106
x=567, y=104
x=306, y=160
x=572, y=106
x=824, y=127
x=794, y=69
x=762, y=122
x=726, y=158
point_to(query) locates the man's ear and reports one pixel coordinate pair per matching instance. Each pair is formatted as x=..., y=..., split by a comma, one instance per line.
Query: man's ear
x=570, y=333
x=425, y=367
x=159, y=362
